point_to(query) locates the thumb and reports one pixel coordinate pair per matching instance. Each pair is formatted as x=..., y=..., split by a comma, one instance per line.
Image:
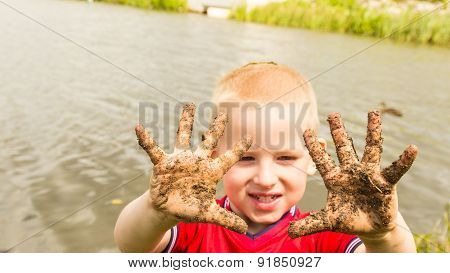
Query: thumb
x=313, y=223
x=222, y=217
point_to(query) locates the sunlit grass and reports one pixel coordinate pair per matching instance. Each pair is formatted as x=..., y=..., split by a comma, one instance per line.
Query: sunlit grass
x=167, y=5
x=439, y=239
x=349, y=16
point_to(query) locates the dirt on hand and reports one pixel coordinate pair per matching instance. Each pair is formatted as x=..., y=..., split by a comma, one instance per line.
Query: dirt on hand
x=362, y=198
x=183, y=185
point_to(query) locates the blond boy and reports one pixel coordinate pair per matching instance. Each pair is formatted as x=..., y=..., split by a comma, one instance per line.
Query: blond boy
x=264, y=170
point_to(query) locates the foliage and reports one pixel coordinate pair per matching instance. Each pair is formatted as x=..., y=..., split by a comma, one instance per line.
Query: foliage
x=167, y=5
x=439, y=239
x=349, y=16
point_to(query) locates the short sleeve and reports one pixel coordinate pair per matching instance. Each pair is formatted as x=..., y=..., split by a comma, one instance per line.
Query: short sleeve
x=181, y=237
x=336, y=242
x=187, y=237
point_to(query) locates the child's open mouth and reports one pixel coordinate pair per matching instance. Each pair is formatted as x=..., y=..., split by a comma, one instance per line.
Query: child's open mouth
x=265, y=201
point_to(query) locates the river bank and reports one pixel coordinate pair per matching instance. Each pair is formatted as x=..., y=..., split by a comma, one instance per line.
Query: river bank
x=166, y=5
x=421, y=22
x=406, y=21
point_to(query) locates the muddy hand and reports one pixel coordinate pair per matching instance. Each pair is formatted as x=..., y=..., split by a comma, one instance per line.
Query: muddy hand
x=184, y=183
x=362, y=198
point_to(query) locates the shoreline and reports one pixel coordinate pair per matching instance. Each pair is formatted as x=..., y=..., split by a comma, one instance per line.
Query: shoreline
x=418, y=22
x=411, y=21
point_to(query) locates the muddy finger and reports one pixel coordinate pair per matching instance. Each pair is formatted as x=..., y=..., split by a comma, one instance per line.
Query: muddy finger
x=374, y=140
x=399, y=167
x=212, y=136
x=344, y=145
x=183, y=140
x=149, y=144
x=324, y=162
x=227, y=219
x=225, y=161
x=313, y=223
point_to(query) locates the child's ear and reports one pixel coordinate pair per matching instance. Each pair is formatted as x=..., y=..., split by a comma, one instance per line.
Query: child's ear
x=311, y=166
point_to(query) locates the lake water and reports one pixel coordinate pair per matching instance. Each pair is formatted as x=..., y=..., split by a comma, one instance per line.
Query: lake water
x=68, y=113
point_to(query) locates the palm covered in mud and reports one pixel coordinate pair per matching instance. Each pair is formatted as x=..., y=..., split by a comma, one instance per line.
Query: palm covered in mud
x=184, y=183
x=361, y=197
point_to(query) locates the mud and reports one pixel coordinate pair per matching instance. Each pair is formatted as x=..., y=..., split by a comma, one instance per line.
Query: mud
x=183, y=185
x=362, y=198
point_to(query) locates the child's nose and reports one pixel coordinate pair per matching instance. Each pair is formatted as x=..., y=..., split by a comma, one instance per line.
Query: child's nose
x=266, y=177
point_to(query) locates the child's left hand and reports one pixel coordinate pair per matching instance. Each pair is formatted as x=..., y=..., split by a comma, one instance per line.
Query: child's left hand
x=362, y=198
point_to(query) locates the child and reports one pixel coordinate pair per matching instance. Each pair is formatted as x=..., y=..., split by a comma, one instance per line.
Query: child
x=264, y=183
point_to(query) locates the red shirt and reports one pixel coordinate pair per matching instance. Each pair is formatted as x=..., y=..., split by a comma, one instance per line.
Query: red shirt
x=202, y=237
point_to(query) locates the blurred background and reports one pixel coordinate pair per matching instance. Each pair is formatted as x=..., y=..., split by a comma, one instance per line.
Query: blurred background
x=72, y=74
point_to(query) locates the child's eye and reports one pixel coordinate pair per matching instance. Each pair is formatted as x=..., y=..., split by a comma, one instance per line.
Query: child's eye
x=247, y=158
x=286, y=158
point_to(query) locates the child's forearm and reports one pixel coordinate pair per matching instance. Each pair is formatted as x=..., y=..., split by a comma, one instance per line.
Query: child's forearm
x=141, y=228
x=400, y=239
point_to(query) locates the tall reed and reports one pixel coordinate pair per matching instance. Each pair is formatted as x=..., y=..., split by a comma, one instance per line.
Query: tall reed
x=167, y=5
x=438, y=240
x=350, y=16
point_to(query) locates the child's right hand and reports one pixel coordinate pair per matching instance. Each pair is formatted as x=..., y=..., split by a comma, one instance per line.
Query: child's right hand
x=183, y=185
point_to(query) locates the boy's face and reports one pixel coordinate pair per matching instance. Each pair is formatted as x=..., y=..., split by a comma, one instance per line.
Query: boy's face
x=271, y=176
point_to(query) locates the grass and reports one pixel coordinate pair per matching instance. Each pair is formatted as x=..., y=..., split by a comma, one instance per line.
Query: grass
x=439, y=239
x=166, y=5
x=349, y=16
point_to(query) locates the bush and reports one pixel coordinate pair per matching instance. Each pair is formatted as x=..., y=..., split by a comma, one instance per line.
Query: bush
x=350, y=16
x=168, y=5
x=439, y=239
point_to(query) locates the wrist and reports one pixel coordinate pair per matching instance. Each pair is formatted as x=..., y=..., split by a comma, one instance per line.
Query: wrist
x=397, y=239
x=154, y=215
x=165, y=220
x=378, y=237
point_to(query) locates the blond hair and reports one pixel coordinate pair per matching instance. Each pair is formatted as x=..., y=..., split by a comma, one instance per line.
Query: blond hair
x=266, y=82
